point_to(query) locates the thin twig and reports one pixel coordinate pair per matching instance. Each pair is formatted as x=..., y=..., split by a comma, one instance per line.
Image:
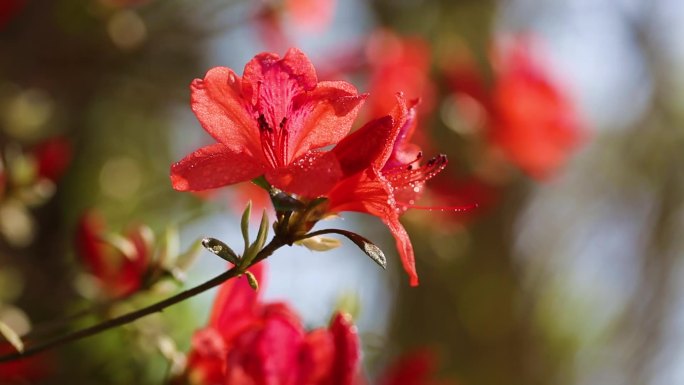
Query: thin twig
x=276, y=243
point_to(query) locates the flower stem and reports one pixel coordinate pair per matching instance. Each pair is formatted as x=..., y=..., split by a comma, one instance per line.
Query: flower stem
x=31, y=349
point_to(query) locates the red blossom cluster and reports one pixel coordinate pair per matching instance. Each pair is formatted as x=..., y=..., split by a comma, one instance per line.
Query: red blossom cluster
x=47, y=162
x=528, y=116
x=398, y=63
x=248, y=342
x=272, y=18
x=120, y=264
x=414, y=368
x=278, y=120
x=26, y=370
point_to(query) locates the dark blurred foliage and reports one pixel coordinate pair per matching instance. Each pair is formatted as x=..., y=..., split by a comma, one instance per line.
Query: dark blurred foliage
x=104, y=76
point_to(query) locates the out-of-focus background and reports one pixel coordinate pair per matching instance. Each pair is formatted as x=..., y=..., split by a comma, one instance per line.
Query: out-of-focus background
x=561, y=120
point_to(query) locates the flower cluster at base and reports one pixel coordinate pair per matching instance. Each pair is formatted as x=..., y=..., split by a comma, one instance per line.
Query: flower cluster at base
x=248, y=342
x=278, y=120
x=124, y=264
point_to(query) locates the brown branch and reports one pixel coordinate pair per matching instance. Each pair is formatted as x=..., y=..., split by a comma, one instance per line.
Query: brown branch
x=276, y=243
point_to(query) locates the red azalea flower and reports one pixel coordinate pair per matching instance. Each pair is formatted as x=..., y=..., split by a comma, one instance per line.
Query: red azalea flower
x=374, y=170
x=8, y=9
x=269, y=122
x=249, y=342
x=536, y=124
x=120, y=270
x=398, y=64
x=25, y=370
x=53, y=156
x=384, y=175
x=527, y=115
x=312, y=15
x=416, y=368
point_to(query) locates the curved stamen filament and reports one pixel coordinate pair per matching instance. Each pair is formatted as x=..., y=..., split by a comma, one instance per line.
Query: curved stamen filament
x=401, y=176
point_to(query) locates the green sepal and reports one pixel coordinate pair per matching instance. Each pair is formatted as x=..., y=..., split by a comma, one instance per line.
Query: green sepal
x=244, y=224
x=285, y=202
x=258, y=243
x=262, y=182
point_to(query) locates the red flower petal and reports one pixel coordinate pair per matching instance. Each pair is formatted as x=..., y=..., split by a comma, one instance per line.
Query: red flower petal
x=316, y=357
x=219, y=106
x=536, y=124
x=269, y=83
x=88, y=244
x=53, y=156
x=269, y=354
x=310, y=176
x=404, y=246
x=213, y=166
x=236, y=305
x=27, y=370
x=119, y=274
x=416, y=368
x=400, y=115
x=286, y=91
x=347, y=350
x=323, y=116
x=361, y=148
x=369, y=192
x=404, y=152
x=206, y=361
x=365, y=192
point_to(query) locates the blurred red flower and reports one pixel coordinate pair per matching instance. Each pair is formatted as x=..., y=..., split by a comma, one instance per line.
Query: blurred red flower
x=26, y=370
x=8, y=9
x=53, y=157
x=536, y=124
x=398, y=64
x=250, y=342
x=529, y=117
x=309, y=16
x=375, y=170
x=269, y=122
x=415, y=368
x=121, y=264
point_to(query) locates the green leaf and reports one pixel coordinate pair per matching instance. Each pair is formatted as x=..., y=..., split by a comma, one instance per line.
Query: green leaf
x=368, y=247
x=263, y=231
x=258, y=243
x=221, y=249
x=262, y=182
x=251, y=279
x=244, y=224
x=12, y=337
